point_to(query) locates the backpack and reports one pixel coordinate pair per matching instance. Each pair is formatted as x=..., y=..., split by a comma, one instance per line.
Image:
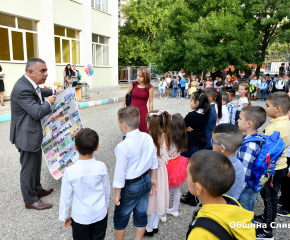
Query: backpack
x=79, y=78
x=211, y=225
x=265, y=163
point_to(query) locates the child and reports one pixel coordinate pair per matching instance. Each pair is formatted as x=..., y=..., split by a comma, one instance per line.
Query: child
x=136, y=163
x=263, y=87
x=176, y=166
x=186, y=88
x=178, y=87
x=174, y=87
x=244, y=100
x=196, y=124
x=225, y=112
x=219, y=84
x=210, y=175
x=231, y=106
x=271, y=86
x=277, y=106
x=161, y=87
x=280, y=84
x=251, y=118
x=226, y=139
x=86, y=186
x=159, y=128
x=208, y=83
x=193, y=86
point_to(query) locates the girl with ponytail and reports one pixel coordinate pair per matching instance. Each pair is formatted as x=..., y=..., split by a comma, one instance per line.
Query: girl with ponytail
x=243, y=101
x=158, y=123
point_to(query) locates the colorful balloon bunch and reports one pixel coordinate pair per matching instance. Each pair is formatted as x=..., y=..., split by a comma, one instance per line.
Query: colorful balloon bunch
x=89, y=70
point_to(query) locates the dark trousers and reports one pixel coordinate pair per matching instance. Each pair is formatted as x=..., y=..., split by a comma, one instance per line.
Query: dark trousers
x=182, y=91
x=30, y=175
x=285, y=191
x=94, y=231
x=262, y=94
x=270, y=196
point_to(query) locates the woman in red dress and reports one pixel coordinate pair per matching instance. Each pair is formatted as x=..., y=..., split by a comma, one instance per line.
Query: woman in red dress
x=142, y=91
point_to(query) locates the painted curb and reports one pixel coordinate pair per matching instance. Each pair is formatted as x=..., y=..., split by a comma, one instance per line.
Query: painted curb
x=7, y=117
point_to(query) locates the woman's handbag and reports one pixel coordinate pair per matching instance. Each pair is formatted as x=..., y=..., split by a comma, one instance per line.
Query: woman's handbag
x=129, y=97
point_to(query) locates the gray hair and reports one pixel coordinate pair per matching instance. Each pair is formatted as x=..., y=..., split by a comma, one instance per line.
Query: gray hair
x=31, y=62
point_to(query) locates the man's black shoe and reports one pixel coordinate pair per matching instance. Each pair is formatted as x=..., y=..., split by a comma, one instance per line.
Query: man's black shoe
x=189, y=199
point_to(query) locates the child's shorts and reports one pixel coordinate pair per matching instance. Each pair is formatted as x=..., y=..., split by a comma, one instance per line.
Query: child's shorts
x=162, y=91
x=134, y=197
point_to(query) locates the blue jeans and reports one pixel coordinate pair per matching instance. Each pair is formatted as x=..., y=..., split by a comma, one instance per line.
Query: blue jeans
x=174, y=91
x=248, y=198
x=262, y=94
x=134, y=197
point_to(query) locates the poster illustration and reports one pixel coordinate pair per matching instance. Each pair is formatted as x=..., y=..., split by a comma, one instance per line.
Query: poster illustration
x=59, y=131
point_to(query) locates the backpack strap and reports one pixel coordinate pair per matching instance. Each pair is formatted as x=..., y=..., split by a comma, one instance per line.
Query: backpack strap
x=211, y=226
x=254, y=139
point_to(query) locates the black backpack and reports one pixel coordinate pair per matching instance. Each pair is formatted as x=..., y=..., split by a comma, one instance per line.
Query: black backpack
x=211, y=225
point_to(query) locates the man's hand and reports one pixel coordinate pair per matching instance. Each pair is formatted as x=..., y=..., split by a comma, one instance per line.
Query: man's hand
x=117, y=200
x=57, y=91
x=51, y=99
x=288, y=174
x=154, y=187
x=189, y=129
x=67, y=224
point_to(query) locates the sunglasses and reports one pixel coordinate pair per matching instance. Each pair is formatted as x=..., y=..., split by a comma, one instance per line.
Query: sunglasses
x=220, y=144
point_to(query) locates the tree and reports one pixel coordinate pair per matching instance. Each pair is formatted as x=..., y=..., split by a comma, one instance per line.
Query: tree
x=137, y=36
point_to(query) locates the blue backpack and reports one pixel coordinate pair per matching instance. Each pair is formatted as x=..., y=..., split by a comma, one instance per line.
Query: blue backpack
x=265, y=163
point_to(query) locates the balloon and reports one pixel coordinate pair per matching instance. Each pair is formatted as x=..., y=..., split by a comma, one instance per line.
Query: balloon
x=87, y=70
x=93, y=68
x=91, y=72
x=89, y=66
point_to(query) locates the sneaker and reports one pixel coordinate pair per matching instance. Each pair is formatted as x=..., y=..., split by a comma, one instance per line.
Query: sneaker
x=165, y=98
x=189, y=199
x=279, y=204
x=182, y=98
x=259, y=100
x=175, y=214
x=160, y=97
x=163, y=219
x=282, y=212
x=261, y=234
x=259, y=219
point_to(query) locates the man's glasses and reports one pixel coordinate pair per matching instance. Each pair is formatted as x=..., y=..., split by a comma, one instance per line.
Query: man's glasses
x=220, y=144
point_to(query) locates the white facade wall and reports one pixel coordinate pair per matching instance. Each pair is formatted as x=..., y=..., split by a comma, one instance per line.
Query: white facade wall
x=74, y=14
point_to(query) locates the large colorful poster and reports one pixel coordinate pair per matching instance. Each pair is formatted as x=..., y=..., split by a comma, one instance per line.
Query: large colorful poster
x=59, y=131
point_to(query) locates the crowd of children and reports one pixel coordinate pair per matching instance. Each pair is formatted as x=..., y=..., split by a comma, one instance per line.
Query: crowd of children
x=207, y=148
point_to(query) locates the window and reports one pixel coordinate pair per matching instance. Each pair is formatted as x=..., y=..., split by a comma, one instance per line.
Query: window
x=100, y=48
x=18, y=41
x=67, y=45
x=101, y=5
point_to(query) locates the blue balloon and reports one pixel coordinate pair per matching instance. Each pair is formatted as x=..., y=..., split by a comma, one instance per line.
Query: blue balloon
x=91, y=72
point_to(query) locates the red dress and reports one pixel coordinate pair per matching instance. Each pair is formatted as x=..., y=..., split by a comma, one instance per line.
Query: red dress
x=139, y=100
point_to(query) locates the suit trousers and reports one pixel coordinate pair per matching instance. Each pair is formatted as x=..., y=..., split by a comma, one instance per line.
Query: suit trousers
x=30, y=175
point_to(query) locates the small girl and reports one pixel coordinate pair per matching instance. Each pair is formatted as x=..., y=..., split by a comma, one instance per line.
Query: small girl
x=177, y=165
x=192, y=86
x=161, y=87
x=243, y=101
x=208, y=83
x=186, y=88
x=178, y=87
x=159, y=128
x=196, y=124
x=219, y=85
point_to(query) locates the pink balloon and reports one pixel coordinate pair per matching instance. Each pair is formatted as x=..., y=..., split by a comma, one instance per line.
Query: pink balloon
x=89, y=66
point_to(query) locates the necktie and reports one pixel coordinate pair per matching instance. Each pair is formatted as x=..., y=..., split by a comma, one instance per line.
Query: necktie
x=39, y=94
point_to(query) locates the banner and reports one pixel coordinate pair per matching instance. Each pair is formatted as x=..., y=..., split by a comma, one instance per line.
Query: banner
x=59, y=131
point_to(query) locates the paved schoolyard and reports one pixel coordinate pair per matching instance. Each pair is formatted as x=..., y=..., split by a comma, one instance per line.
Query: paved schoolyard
x=18, y=223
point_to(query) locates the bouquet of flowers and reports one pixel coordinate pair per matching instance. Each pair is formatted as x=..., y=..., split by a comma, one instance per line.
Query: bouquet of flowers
x=231, y=80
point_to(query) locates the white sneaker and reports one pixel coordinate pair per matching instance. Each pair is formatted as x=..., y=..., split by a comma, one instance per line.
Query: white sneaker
x=165, y=98
x=182, y=98
x=163, y=219
x=175, y=214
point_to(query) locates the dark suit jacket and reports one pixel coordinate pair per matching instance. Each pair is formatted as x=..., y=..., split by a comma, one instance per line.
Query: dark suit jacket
x=26, y=112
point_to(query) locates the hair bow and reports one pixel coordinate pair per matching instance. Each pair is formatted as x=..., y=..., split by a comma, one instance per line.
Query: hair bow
x=156, y=114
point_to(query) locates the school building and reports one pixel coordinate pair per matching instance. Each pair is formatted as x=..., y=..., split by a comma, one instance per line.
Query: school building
x=78, y=32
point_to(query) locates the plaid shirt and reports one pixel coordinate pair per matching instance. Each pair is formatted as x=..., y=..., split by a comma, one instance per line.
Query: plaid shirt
x=248, y=153
x=232, y=112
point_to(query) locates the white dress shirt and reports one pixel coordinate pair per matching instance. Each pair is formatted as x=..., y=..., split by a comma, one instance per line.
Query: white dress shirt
x=35, y=87
x=135, y=155
x=280, y=85
x=85, y=184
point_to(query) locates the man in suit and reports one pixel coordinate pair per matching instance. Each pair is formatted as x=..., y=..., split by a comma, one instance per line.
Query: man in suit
x=27, y=108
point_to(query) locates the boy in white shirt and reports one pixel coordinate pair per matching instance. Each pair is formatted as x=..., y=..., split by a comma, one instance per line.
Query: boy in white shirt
x=86, y=186
x=135, y=174
x=280, y=84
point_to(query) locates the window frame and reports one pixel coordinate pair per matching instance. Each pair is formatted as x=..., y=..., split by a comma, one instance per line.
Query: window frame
x=70, y=46
x=108, y=12
x=94, y=51
x=23, y=31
